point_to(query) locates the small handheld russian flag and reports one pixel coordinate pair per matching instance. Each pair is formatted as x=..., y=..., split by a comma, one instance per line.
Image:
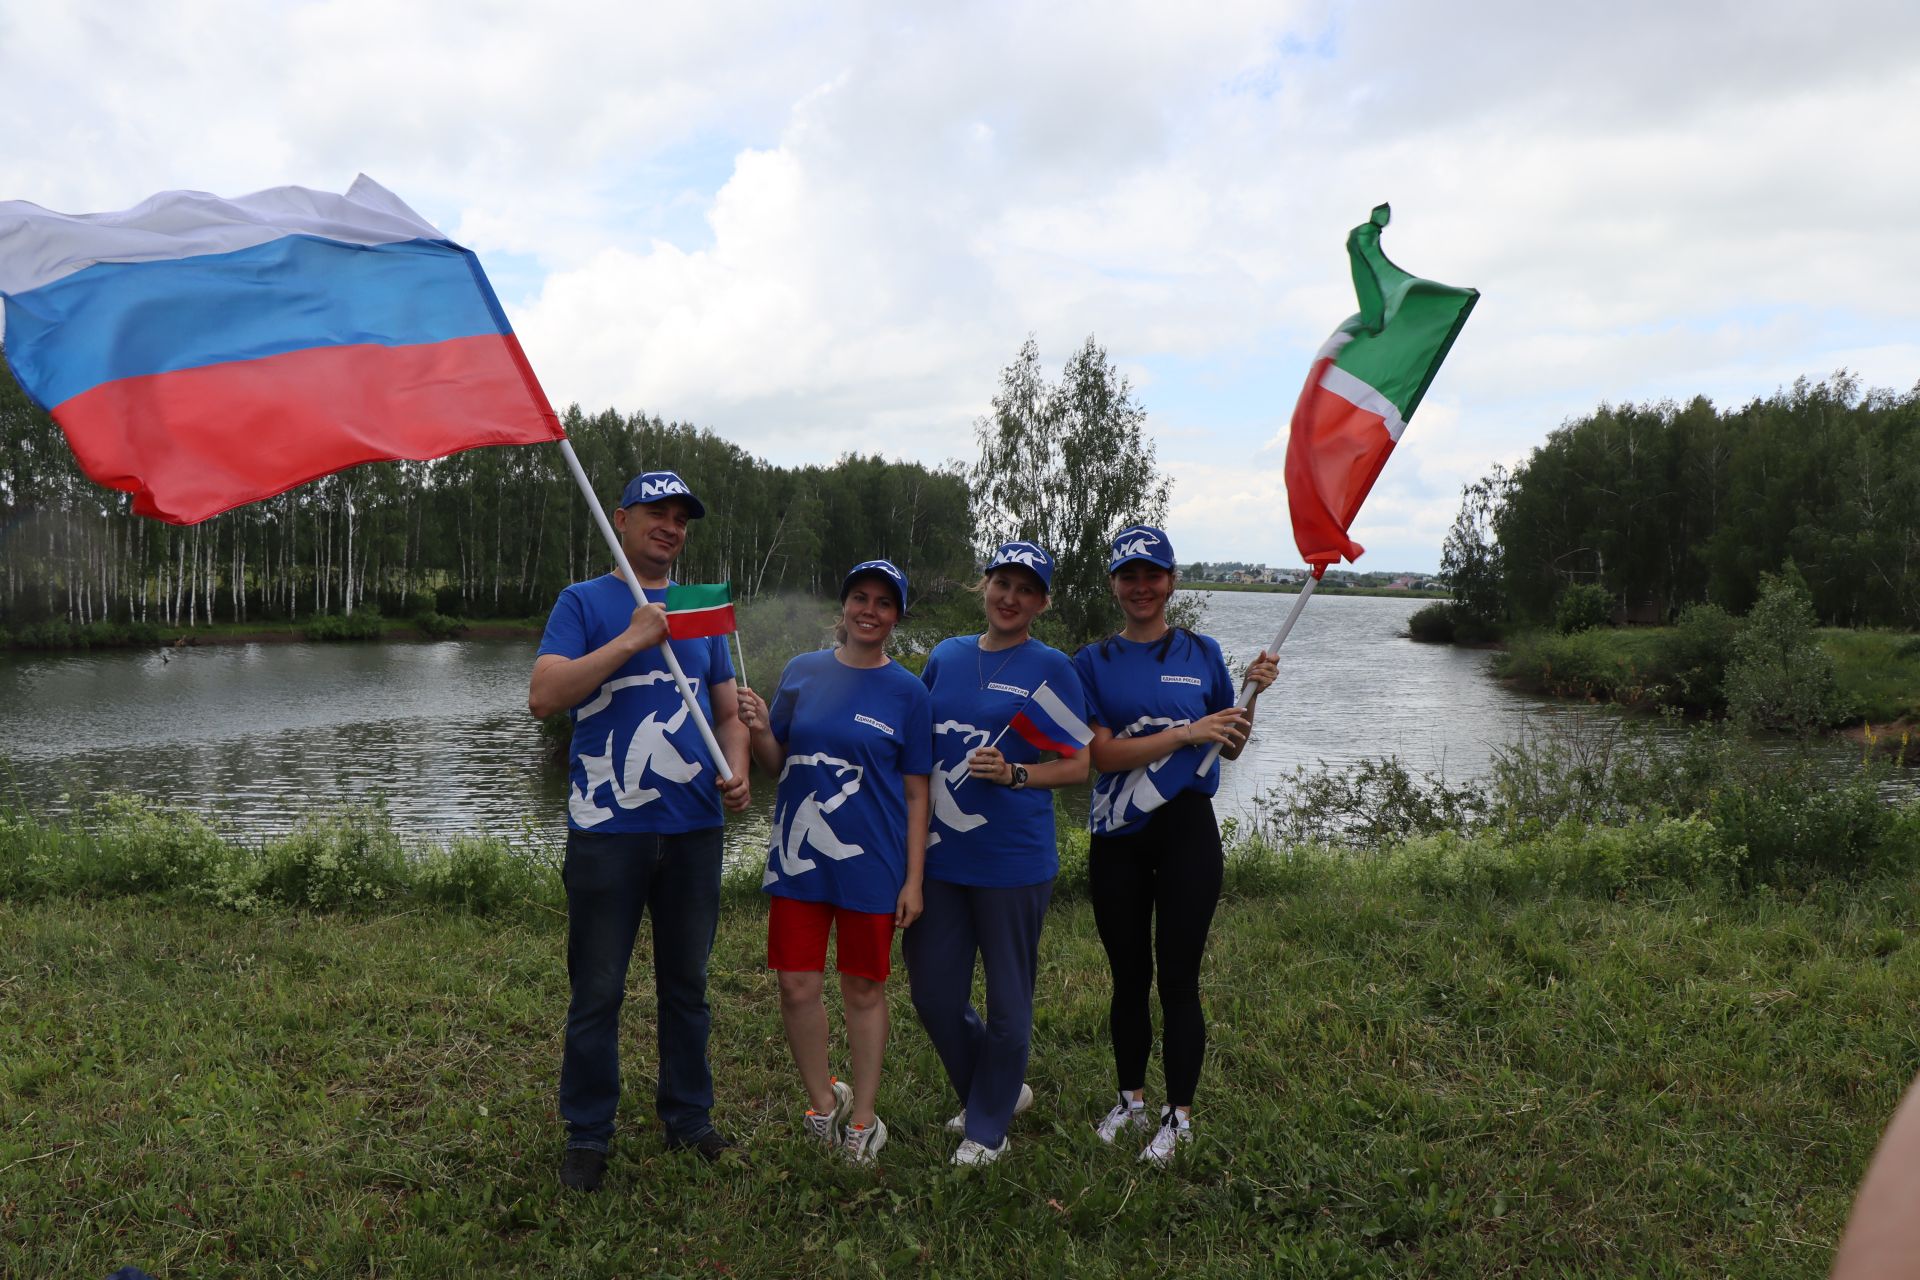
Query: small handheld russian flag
x=1049, y=724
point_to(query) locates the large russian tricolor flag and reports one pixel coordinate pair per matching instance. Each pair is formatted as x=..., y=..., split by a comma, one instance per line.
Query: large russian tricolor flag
x=201, y=353
x=1364, y=385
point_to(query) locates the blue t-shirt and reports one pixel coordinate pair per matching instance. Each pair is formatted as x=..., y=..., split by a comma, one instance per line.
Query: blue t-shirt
x=852, y=735
x=637, y=763
x=1137, y=690
x=984, y=833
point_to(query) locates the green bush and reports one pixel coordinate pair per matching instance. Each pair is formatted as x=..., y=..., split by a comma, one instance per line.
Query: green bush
x=334, y=860
x=1586, y=664
x=1471, y=628
x=438, y=626
x=481, y=876
x=1433, y=623
x=1695, y=655
x=1363, y=805
x=1780, y=678
x=1583, y=606
x=361, y=624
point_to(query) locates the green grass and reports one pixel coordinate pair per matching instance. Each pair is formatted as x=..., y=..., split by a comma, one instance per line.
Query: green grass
x=1877, y=672
x=1667, y=1083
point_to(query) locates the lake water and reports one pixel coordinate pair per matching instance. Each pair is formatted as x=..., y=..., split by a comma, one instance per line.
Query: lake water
x=256, y=734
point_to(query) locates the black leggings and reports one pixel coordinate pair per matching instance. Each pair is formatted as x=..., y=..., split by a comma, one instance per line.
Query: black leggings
x=1171, y=866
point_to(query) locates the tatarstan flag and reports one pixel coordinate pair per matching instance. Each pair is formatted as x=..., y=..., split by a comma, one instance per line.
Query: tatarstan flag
x=1363, y=387
x=694, y=612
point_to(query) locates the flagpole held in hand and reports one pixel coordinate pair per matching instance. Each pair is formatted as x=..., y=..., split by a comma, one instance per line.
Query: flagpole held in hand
x=640, y=597
x=1246, y=690
x=990, y=746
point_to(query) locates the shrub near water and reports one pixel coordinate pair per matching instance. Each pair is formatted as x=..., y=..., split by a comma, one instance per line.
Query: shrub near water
x=1583, y=606
x=1599, y=812
x=331, y=860
x=1433, y=623
x=1695, y=654
x=361, y=624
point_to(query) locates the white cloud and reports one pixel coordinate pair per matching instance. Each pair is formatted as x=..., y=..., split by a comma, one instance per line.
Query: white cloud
x=826, y=229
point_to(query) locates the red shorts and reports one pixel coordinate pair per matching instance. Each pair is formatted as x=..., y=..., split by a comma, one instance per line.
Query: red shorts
x=797, y=939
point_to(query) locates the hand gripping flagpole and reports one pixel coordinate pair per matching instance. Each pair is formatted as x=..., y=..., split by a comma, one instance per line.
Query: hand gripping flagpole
x=1246, y=690
x=991, y=745
x=640, y=597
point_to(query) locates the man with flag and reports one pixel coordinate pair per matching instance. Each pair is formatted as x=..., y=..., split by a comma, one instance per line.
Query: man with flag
x=644, y=813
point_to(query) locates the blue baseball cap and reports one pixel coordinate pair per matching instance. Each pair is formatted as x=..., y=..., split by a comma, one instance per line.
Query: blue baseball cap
x=658, y=486
x=886, y=571
x=1141, y=542
x=1028, y=555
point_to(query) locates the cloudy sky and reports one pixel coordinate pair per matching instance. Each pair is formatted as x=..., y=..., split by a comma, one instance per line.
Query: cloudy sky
x=824, y=228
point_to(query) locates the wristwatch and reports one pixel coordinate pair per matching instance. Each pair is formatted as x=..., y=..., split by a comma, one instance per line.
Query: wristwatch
x=1019, y=777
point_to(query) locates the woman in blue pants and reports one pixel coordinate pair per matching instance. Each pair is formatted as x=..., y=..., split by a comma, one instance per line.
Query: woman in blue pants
x=991, y=856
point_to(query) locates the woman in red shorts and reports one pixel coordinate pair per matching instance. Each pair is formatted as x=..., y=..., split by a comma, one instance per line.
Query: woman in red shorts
x=850, y=737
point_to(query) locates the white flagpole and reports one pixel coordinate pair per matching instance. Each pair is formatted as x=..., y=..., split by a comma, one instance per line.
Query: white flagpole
x=990, y=746
x=640, y=597
x=1003, y=731
x=737, y=644
x=1246, y=691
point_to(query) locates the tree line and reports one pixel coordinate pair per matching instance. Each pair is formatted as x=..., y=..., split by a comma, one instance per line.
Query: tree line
x=490, y=532
x=1665, y=505
x=497, y=532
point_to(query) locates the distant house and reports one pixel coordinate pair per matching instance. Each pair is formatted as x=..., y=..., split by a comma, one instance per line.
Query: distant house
x=1403, y=583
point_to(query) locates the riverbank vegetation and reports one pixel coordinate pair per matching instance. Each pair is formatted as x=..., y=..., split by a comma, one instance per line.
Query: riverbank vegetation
x=1607, y=1014
x=1772, y=670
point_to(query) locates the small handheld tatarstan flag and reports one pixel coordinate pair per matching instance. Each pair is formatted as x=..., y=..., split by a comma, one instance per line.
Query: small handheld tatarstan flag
x=1049, y=724
x=694, y=612
x=1363, y=387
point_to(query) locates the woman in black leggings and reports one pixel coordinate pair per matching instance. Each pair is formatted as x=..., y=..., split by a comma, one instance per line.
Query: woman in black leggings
x=1160, y=698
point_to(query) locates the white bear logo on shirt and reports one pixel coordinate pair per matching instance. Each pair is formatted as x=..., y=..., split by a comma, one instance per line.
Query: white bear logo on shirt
x=1122, y=798
x=649, y=750
x=946, y=807
x=806, y=822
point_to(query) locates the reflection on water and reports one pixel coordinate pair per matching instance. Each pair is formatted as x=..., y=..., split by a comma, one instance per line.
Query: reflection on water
x=256, y=734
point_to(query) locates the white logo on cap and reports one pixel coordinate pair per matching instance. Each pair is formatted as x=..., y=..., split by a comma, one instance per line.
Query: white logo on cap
x=883, y=567
x=653, y=490
x=1022, y=553
x=1140, y=545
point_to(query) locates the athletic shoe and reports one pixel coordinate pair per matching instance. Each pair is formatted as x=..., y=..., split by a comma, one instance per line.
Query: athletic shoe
x=1023, y=1103
x=1174, y=1132
x=581, y=1168
x=862, y=1142
x=1126, y=1114
x=826, y=1125
x=972, y=1152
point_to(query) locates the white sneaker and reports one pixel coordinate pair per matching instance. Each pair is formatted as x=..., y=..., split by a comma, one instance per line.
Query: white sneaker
x=1023, y=1103
x=972, y=1152
x=1126, y=1114
x=1175, y=1131
x=825, y=1125
x=862, y=1142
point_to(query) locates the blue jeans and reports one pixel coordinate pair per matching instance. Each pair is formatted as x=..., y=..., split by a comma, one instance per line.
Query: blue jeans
x=986, y=1061
x=611, y=878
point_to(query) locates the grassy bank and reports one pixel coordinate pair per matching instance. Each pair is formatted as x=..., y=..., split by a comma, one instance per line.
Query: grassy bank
x=365, y=625
x=1877, y=673
x=1459, y=1056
